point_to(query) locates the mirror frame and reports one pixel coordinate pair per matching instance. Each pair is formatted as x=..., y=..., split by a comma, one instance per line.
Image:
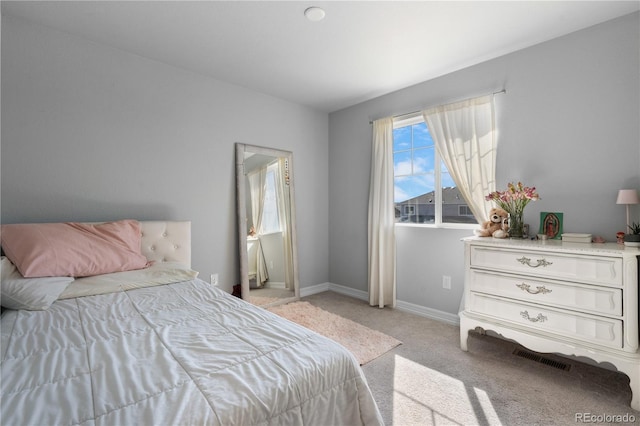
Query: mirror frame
x=241, y=208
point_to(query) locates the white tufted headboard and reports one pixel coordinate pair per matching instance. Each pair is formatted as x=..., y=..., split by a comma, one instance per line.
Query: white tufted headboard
x=167, y=241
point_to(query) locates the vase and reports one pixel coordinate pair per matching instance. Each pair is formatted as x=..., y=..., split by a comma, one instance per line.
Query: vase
x=516, y=225
x=632, y=240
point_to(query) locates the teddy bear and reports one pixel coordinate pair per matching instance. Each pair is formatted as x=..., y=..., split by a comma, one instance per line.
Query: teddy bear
x=497, y=225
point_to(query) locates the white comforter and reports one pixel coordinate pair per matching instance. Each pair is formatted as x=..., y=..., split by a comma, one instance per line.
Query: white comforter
x=184, y=353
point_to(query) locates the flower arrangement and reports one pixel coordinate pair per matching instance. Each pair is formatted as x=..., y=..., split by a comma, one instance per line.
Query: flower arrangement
x=513, y=200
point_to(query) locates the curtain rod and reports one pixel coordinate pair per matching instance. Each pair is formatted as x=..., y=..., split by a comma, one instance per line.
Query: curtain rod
x=418, y=112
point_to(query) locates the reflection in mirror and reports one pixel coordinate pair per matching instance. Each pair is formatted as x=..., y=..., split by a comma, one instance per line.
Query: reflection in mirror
x=266, y=225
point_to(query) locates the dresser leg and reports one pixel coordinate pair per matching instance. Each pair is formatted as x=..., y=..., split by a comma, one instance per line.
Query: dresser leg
x=463, y=340
x=464, y=333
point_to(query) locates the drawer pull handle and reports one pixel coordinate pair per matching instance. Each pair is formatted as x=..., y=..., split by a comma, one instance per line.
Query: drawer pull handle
x=527, y=261
x=539, y=289
x=539, y=318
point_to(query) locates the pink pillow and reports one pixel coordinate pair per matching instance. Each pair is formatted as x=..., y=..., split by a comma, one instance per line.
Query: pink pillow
x=73, y=249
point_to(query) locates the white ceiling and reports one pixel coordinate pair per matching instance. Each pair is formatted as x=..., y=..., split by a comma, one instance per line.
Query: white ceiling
x=361, y=50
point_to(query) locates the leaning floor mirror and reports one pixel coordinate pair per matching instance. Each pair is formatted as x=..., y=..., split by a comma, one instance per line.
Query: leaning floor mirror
x=266, y=225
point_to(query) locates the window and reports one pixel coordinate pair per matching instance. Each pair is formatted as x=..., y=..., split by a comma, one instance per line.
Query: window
x=424, y=191
x=464, y=210
x=270, y=217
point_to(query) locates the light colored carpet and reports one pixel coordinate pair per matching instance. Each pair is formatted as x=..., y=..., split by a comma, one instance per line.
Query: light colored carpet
x=366, y=344
x=269, y=296
x=262, y=300
x=429, y=380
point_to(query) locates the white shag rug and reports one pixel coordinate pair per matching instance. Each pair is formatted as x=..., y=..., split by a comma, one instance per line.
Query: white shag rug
x=366, y=344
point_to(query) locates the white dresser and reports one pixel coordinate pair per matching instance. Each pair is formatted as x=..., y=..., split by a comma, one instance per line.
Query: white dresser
x=555, y=297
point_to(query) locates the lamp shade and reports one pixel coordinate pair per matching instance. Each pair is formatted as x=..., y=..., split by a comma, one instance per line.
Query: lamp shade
x=628, y=196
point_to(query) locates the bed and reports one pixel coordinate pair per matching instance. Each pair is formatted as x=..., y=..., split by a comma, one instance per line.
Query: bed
x=157, y=345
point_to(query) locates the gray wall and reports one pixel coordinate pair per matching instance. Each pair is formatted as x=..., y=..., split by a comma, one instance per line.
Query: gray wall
x=569, y=125
x=95, y=133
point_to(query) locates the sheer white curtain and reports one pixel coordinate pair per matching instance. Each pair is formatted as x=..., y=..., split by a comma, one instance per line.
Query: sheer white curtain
x=465, y=136
x=381, y=232
x=257, y=189
x=284, y=214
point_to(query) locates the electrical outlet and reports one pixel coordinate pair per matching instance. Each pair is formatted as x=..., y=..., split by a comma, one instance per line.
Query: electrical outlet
x=446, y=282
x=214, y=279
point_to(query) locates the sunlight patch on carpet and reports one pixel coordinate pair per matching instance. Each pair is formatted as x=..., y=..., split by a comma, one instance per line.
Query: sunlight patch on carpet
x=366, y=344
x=422, y=395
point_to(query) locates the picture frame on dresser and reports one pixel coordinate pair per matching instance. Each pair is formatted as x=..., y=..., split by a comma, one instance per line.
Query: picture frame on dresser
x=551, y=224
x=553, y=297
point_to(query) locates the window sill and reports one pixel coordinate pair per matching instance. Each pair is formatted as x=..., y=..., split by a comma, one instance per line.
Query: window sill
x=441, y=226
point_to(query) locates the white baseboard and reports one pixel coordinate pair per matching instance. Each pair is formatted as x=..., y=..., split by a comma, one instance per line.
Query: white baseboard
x=400, y=305
x=275, y=284
x=348, y=291
x=423, y=311
x=318, y=288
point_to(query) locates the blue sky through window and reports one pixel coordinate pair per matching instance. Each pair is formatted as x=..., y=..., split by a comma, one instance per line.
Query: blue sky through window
x=414, y=163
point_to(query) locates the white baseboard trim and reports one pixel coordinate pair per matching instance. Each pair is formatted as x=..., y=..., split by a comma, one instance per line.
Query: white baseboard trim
x=275, y=284
x=318, y=288
x=423, y=311
x=400, y=305
x=348, y=291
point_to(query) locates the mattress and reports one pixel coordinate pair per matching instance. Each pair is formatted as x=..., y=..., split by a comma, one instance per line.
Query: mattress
x=180, y=353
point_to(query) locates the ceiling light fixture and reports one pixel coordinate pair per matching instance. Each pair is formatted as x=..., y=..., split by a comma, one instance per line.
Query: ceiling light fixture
x=314, y=13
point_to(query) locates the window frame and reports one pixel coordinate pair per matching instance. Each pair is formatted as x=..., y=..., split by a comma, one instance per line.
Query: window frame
x=417, y=118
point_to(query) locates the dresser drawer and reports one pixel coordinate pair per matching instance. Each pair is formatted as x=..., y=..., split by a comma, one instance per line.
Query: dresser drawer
x=589, y=328
x=600, y=270
x=577, y=297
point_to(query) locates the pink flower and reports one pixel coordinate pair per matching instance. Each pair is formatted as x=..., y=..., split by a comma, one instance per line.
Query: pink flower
x=514, y=198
